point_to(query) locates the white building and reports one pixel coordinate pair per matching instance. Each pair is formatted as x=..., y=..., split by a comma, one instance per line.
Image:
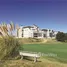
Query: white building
x=35, y=31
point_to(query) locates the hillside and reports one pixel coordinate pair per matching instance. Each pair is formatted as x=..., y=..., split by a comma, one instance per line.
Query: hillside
x=36, y=40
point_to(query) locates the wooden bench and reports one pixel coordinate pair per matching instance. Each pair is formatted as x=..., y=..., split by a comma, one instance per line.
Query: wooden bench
x=35, y=56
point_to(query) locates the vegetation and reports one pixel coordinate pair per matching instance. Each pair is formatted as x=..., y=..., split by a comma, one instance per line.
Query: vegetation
x=61, y=36
x=26, y=63
x=8, y=44
x=51, y=46
x=48, y=48
x=8, y=47
x=30, y=40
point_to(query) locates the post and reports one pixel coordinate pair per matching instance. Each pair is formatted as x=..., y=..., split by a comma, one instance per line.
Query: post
x=35, y=59
x=21, y=57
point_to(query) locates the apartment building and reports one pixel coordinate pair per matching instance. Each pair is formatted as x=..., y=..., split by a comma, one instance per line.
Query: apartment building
x=35, y=32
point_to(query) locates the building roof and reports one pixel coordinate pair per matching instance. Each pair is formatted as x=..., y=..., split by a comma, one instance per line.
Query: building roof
x=44, y=29
x=35, y=25
x=28, y=27
x=31, y=26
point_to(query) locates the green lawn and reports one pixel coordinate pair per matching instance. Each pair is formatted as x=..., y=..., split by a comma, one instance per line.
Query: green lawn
x=60, y=49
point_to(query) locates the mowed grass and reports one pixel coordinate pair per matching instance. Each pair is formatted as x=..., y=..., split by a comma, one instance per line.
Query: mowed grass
x=58, y=49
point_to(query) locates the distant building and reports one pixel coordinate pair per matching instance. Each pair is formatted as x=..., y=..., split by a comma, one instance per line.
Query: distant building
x=35, y=32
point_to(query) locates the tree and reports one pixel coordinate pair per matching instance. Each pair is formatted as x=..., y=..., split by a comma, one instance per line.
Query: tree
x=65, y=36
x=60, y=36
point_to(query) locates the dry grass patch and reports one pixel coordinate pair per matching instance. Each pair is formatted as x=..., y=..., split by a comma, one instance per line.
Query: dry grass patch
x=27, y=63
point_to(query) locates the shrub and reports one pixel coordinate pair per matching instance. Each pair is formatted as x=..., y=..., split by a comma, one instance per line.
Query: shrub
x=66, y=41
x=65, y=36
x=60, y=36
x=8, y=47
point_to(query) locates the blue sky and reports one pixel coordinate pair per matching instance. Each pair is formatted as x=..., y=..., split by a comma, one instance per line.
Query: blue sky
x=50, y=14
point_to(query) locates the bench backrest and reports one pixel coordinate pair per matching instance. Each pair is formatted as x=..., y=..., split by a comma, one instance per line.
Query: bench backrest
x=29, y=54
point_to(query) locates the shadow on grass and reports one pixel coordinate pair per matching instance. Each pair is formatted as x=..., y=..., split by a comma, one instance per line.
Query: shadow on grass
x=30, y=59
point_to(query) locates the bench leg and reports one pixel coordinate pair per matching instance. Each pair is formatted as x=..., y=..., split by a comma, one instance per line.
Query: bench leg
x=35, y=59
x=21, y=57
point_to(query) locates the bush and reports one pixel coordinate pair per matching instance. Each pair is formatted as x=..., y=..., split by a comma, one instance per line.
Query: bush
x=66, y=41
x=65, y=36
x=60, y=36
x=8, y=47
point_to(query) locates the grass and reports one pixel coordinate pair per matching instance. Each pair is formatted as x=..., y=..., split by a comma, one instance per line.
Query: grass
x=45, y=46
x=27, y=63
x=30, y=40
x=59, y=49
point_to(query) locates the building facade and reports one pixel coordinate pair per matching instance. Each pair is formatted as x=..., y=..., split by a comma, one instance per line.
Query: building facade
x=35, y=32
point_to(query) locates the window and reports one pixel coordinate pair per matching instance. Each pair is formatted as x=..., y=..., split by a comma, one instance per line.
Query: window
x=35, y=34
x=51, y=34
x=44, y=35
x=39, y=34
x=22, y=34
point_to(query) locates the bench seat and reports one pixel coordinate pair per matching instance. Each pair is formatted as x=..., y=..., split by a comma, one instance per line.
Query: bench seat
x=29, y=55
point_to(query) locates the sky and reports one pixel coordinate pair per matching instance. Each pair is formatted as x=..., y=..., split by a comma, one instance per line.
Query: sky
x=50, y=14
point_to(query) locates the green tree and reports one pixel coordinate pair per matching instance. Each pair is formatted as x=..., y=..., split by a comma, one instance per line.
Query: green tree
x=65, y=36
x=60, y=36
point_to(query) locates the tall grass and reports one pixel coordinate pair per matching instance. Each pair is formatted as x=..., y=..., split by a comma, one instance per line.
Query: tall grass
x=8, y=47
